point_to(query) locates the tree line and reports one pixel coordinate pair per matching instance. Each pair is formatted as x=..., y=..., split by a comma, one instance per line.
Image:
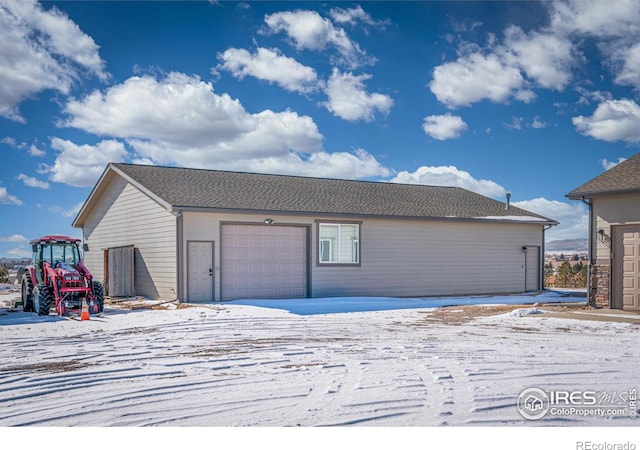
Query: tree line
x=568, y=276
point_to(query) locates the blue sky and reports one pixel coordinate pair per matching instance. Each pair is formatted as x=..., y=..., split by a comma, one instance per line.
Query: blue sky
x=525, y=97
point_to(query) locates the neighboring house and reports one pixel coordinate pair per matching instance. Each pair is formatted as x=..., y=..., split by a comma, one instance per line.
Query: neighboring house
x=614, y=235
x=202, y=235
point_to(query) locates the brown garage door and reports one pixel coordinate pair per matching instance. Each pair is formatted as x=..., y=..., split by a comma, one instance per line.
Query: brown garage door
x=263, y=261
x=626, y=267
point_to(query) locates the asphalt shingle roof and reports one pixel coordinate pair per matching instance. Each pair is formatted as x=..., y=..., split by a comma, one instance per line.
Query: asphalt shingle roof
x=625, y=177
x=198, y=188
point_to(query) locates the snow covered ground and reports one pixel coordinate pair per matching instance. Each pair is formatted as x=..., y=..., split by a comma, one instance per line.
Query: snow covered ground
x=243, y=364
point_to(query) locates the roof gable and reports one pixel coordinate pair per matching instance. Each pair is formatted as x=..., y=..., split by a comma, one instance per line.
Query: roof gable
x=184, y=188
x=625, y=177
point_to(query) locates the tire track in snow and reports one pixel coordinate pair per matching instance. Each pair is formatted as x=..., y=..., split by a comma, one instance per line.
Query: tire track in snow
x=220, y=369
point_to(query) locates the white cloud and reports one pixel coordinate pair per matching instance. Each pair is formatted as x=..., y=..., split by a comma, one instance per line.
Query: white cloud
x=32, y=149
x=628, y=59
x=35, y=151
x=614, y=25
x=19, y=252
x=359, y=164
x=606, y=164
x=46, y=51
x=505, y=71
x=475, y=77
x=271, y=135
x=546, y=58
x=14, y=238
x=350, y=16
x=310, y=31
x=511, y=67
x=620, y=18
x=142, y=161
x=354, y=16
x=463, y=25
x=573, y=217
x=181, y=120
x=33, y=182
x=515, y=124
x=82, y=165
x=444, y=127
x=587, y=96
x=450, y=176
x=42, y=169
x=177, y=108
x=537, y=123
x=8, y=199
x=349, y=100
x=271, y=66
x=613, y=120
x=65, y=212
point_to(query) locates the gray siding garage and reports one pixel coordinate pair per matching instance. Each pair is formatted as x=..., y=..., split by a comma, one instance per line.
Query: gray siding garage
x=227, y=235
x=614, y=235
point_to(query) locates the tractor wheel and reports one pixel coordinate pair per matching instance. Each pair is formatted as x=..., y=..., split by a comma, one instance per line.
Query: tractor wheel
x=27, y=293
x=41, y=300
x=98, y=291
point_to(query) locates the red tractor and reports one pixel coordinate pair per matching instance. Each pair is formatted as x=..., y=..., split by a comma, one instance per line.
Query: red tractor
x=58, y=277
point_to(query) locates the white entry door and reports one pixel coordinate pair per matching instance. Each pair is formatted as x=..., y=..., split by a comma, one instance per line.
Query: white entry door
x=532, y=268
x=200, y=271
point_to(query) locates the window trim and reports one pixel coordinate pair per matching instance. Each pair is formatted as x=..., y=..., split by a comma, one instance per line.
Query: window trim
x=358, y=242
x=330, y=248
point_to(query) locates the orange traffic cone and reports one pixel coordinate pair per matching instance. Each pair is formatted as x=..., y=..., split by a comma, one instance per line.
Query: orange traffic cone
x=85, y=310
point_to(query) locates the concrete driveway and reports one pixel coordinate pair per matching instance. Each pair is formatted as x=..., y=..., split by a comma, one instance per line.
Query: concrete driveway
x=602, y=315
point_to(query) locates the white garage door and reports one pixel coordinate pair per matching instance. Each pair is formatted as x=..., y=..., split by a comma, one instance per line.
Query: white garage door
x=626, y=267
x=263, y=261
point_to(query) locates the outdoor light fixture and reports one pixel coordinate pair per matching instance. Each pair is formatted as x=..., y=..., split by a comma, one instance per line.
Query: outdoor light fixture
x=268, y=221
x=604, y=237
x=525, y=248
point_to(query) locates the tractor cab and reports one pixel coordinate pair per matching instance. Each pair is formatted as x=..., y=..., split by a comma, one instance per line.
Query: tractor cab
x=60, y=252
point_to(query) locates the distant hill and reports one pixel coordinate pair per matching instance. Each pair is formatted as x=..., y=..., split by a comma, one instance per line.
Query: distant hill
x=568, y=245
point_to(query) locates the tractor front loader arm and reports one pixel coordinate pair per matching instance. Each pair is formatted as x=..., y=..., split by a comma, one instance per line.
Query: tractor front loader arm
x=50, y=278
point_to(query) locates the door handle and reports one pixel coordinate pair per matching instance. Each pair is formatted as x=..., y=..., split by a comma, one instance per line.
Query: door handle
x=210, y=272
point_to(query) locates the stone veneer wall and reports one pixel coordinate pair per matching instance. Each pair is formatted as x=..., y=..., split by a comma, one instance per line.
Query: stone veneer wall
x=600, y=296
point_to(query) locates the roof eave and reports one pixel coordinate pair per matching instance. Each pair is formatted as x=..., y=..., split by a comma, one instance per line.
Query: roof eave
x=78, y=221
x=161, y=201
x=181, y=208
x=104, y=179
x=550, y=222
x=581, y=195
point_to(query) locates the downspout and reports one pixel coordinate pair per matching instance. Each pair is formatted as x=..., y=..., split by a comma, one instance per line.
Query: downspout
x=591, y=301
x=543, y=252
x=179, y=256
